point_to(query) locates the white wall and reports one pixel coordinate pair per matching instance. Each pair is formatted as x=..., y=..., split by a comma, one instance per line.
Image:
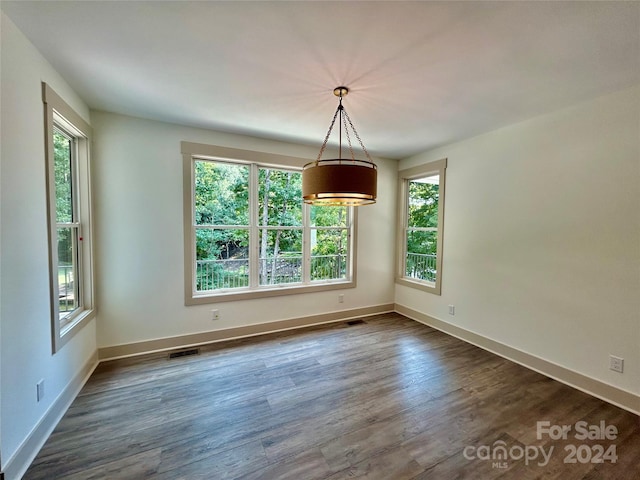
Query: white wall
x=25, y=341
x=542, y=237
x=139, y=237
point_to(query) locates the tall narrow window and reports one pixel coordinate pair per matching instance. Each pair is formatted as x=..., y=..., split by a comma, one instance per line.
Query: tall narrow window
x=67, y=223
x=281, y=232
x=248, y=233
x=70, y=259
x=420, y=230
x=221, y=225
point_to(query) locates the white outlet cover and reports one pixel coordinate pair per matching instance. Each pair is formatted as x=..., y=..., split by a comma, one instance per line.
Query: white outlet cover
x=616, y=363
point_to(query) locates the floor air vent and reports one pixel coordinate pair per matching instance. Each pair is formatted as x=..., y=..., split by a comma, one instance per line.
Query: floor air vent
x=184, y=353
x=355, y=322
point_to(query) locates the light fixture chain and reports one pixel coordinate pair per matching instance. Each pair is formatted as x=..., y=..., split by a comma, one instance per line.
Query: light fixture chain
x=326, y=139
x=358, y=137
x=346, y=131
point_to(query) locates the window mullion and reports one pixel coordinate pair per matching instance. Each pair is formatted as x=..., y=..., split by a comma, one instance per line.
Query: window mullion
x=306, y=243
x=350, y=241
x=75, y=201
x=405, y=230
x=79, y=271
x=254, y=244
x=193, y=227
x=77, y=217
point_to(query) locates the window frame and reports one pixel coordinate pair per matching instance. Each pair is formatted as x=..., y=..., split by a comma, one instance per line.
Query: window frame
x=195, y=151
x=60, y=116
x=437, y=167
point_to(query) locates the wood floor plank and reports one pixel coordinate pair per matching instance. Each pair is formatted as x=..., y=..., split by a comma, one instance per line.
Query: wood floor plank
x=141, y=465
x=393, y=464
x=307, y=465
x=219, y=465
x=387, y=399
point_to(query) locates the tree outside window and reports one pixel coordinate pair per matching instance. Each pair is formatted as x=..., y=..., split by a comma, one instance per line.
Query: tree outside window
x=252, y=231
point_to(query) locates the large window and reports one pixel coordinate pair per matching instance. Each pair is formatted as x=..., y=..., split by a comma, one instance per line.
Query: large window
x=68, y=200
x=421, y=201
x=248, y=234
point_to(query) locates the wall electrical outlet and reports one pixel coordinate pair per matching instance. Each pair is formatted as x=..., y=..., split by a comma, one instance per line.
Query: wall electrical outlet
x=452, y=310
x=341, y=298
x=616, y=363
x=40, y=390
x=215, y=314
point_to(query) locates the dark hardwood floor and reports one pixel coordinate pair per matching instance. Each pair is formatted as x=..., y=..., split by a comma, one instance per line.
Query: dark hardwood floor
x=387, y=399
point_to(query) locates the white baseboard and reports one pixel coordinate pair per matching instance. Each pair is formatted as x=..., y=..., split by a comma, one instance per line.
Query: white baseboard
x=614, y=395
x=20, y=461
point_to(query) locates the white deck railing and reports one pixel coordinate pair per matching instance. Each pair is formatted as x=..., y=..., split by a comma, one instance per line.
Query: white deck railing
x=283, y=269
x=421, y=266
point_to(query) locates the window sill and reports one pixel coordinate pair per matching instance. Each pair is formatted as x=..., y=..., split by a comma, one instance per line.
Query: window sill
x=431, y=287
x=71, y=328
x=246, y=294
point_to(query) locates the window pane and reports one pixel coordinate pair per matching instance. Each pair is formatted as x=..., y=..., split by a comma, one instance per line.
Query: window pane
x=221, y=193
x=279, y=197
x=67, y=270
x=421, y=255
x=324, y=216
x=222, y=258
x=280, y=258
x=328, y=254
x=423, y=202
x=62, y=150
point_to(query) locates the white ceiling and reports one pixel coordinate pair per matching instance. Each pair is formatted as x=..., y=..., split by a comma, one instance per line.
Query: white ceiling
x=421, y=74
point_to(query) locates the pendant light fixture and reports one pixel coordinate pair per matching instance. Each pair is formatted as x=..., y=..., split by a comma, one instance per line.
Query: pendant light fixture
x=339, y=181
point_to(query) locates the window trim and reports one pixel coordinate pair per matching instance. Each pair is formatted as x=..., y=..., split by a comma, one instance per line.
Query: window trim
x=58, y=112
x=191, y=151
x=438, y=167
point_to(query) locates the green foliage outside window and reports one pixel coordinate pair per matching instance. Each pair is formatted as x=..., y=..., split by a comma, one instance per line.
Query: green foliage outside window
x=422, y=229
x=64, y=211
x=62, y=172
x=280, y=205
x=66, y=242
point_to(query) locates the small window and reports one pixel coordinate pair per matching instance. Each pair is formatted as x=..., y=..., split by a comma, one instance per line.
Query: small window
x=248, y=233
x=68, y=200
x=421, y=224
